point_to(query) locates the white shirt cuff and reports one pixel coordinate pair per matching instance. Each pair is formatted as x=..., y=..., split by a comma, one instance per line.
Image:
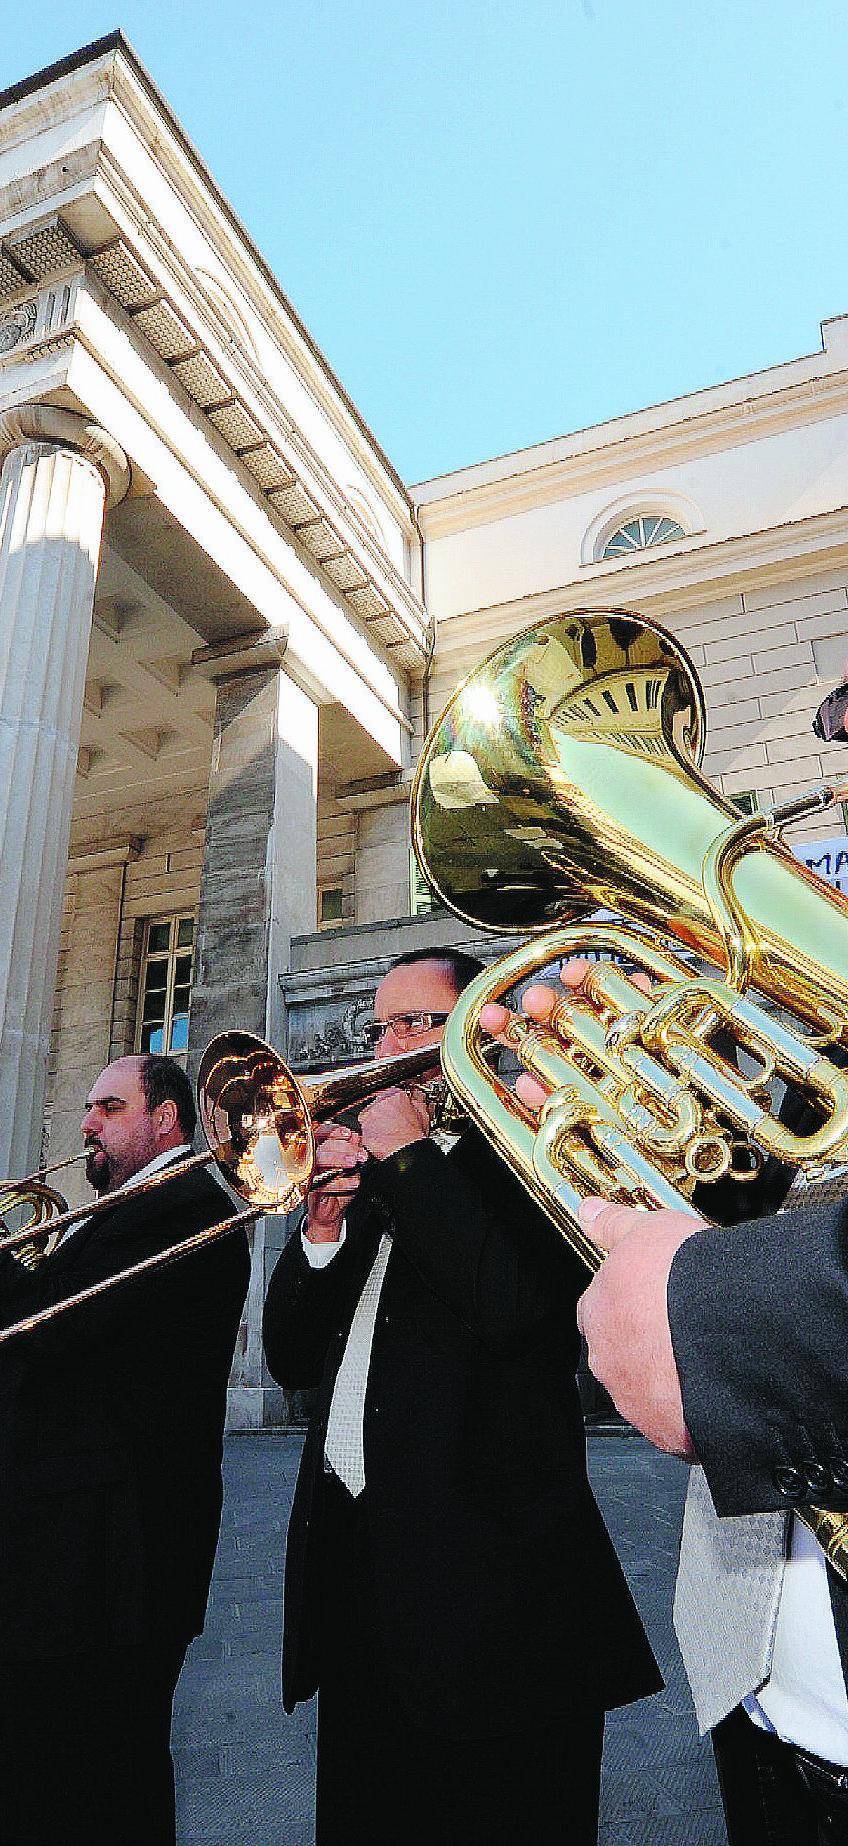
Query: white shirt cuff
x=318, y=1255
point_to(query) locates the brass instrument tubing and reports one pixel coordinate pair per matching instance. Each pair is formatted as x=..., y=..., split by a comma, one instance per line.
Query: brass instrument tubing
x=192, y=1163
x=19, y=1186
x=159, y=1260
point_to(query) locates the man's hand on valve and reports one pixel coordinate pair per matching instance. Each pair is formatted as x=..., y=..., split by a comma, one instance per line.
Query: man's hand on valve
x=623, y=1314
x=336, y=1147
x=538, y=1003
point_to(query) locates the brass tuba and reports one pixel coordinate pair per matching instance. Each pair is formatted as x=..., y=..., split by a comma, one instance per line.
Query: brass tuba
x=563, y=779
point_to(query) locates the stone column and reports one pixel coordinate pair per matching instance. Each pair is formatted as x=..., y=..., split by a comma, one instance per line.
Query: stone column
x=258, y=889
x=59, y=474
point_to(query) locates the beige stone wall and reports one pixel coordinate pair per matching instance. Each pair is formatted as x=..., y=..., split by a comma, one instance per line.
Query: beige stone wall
x=102, y=925
x=337, y=833
x=82, y=1013
x=382, y=864
x=765, y=657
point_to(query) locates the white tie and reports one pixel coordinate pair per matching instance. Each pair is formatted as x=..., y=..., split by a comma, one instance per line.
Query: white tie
x=344, y=1448
x=726, y=1600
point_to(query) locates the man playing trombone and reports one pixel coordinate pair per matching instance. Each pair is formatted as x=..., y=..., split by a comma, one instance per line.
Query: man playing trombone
x=110, y=1460
x=450, y=1587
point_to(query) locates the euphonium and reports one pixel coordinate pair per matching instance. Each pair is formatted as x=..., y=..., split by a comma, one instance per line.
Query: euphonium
x=564, y=778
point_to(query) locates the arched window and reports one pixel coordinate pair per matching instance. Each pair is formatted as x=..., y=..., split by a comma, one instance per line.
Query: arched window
x=640, y=533
x=365, y=512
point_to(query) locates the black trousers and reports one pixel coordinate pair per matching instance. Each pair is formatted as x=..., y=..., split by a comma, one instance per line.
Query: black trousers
x=381, y=1781
x=85, y=1748
x=773, y=1794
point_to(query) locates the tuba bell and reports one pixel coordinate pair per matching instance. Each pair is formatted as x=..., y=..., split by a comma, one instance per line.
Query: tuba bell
x=564, y=779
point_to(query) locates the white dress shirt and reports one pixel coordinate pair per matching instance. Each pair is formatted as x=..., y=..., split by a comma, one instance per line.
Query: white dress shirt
x=343, y=1450
x=804, y=1698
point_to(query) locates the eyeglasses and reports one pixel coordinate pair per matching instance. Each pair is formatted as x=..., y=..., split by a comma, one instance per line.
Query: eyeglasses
x=403, y=1026
x=829, y=721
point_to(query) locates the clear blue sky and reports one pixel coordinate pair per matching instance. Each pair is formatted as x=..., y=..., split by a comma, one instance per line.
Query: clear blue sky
x=503, y=222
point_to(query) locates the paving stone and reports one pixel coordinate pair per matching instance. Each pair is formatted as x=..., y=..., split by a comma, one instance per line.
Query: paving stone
x=246, y=1771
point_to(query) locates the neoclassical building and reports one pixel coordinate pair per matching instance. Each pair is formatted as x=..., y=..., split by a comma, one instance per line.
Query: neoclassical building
x=225, y=621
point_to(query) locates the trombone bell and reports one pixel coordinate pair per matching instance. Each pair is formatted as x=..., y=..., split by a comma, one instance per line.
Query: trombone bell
x=256, y=1120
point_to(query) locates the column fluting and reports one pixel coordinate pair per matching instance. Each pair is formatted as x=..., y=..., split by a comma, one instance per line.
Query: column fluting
x=54, y=487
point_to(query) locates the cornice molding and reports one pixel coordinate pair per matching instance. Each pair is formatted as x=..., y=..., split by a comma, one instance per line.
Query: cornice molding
x=62, y=93
x=622, y=458
x=50, y=187
x=110, y=71
x=104, y=858
x=275, y=426
x=39, y=321
x=177, y=285
x=679, y=579
x=251, y=539
x=149, y=116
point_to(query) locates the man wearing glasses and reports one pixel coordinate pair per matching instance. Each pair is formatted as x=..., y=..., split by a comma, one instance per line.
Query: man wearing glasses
x=450, y=1588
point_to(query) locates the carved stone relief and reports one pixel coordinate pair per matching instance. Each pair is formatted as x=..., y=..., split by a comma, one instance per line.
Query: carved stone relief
x=338, y=1038
x=17, y=325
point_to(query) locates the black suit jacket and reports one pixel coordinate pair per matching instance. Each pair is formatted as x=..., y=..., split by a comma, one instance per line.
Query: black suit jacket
x=759, y=1326
x=500, y=1599
x=112, y=1425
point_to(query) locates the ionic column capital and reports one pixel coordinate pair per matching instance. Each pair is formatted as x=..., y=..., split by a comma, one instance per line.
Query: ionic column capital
x=64, y=429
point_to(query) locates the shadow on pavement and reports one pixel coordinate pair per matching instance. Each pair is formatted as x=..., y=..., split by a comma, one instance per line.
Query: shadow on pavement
x=245, y=1772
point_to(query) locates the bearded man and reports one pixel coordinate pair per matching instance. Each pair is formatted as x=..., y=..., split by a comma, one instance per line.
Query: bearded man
x=110, y=1463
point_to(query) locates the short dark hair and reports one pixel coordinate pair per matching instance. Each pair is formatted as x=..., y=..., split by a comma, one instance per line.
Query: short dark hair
x=462, y=968
x=164, y=1080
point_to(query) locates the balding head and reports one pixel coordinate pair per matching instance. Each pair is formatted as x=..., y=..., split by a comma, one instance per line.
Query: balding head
x=121, y=1130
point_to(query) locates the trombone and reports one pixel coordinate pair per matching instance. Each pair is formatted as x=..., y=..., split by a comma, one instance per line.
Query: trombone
x=258, y=1119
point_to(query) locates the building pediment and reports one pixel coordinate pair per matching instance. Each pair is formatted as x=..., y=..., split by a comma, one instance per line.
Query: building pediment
x=127, y=210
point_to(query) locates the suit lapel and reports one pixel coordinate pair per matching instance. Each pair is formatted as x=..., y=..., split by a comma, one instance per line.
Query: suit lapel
x=95, y=1232
x=72, y=1248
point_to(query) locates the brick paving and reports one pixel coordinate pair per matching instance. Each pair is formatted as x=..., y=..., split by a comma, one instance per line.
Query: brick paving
x=245, y=1772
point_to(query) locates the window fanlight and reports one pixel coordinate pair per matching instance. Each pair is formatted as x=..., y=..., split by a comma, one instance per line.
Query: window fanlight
x=640, y=534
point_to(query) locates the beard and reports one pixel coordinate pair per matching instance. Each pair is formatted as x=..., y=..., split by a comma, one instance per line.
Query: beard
x=98, y=1169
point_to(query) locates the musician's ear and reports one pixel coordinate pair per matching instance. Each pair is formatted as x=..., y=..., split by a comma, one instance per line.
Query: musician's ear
x=167, y=1117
